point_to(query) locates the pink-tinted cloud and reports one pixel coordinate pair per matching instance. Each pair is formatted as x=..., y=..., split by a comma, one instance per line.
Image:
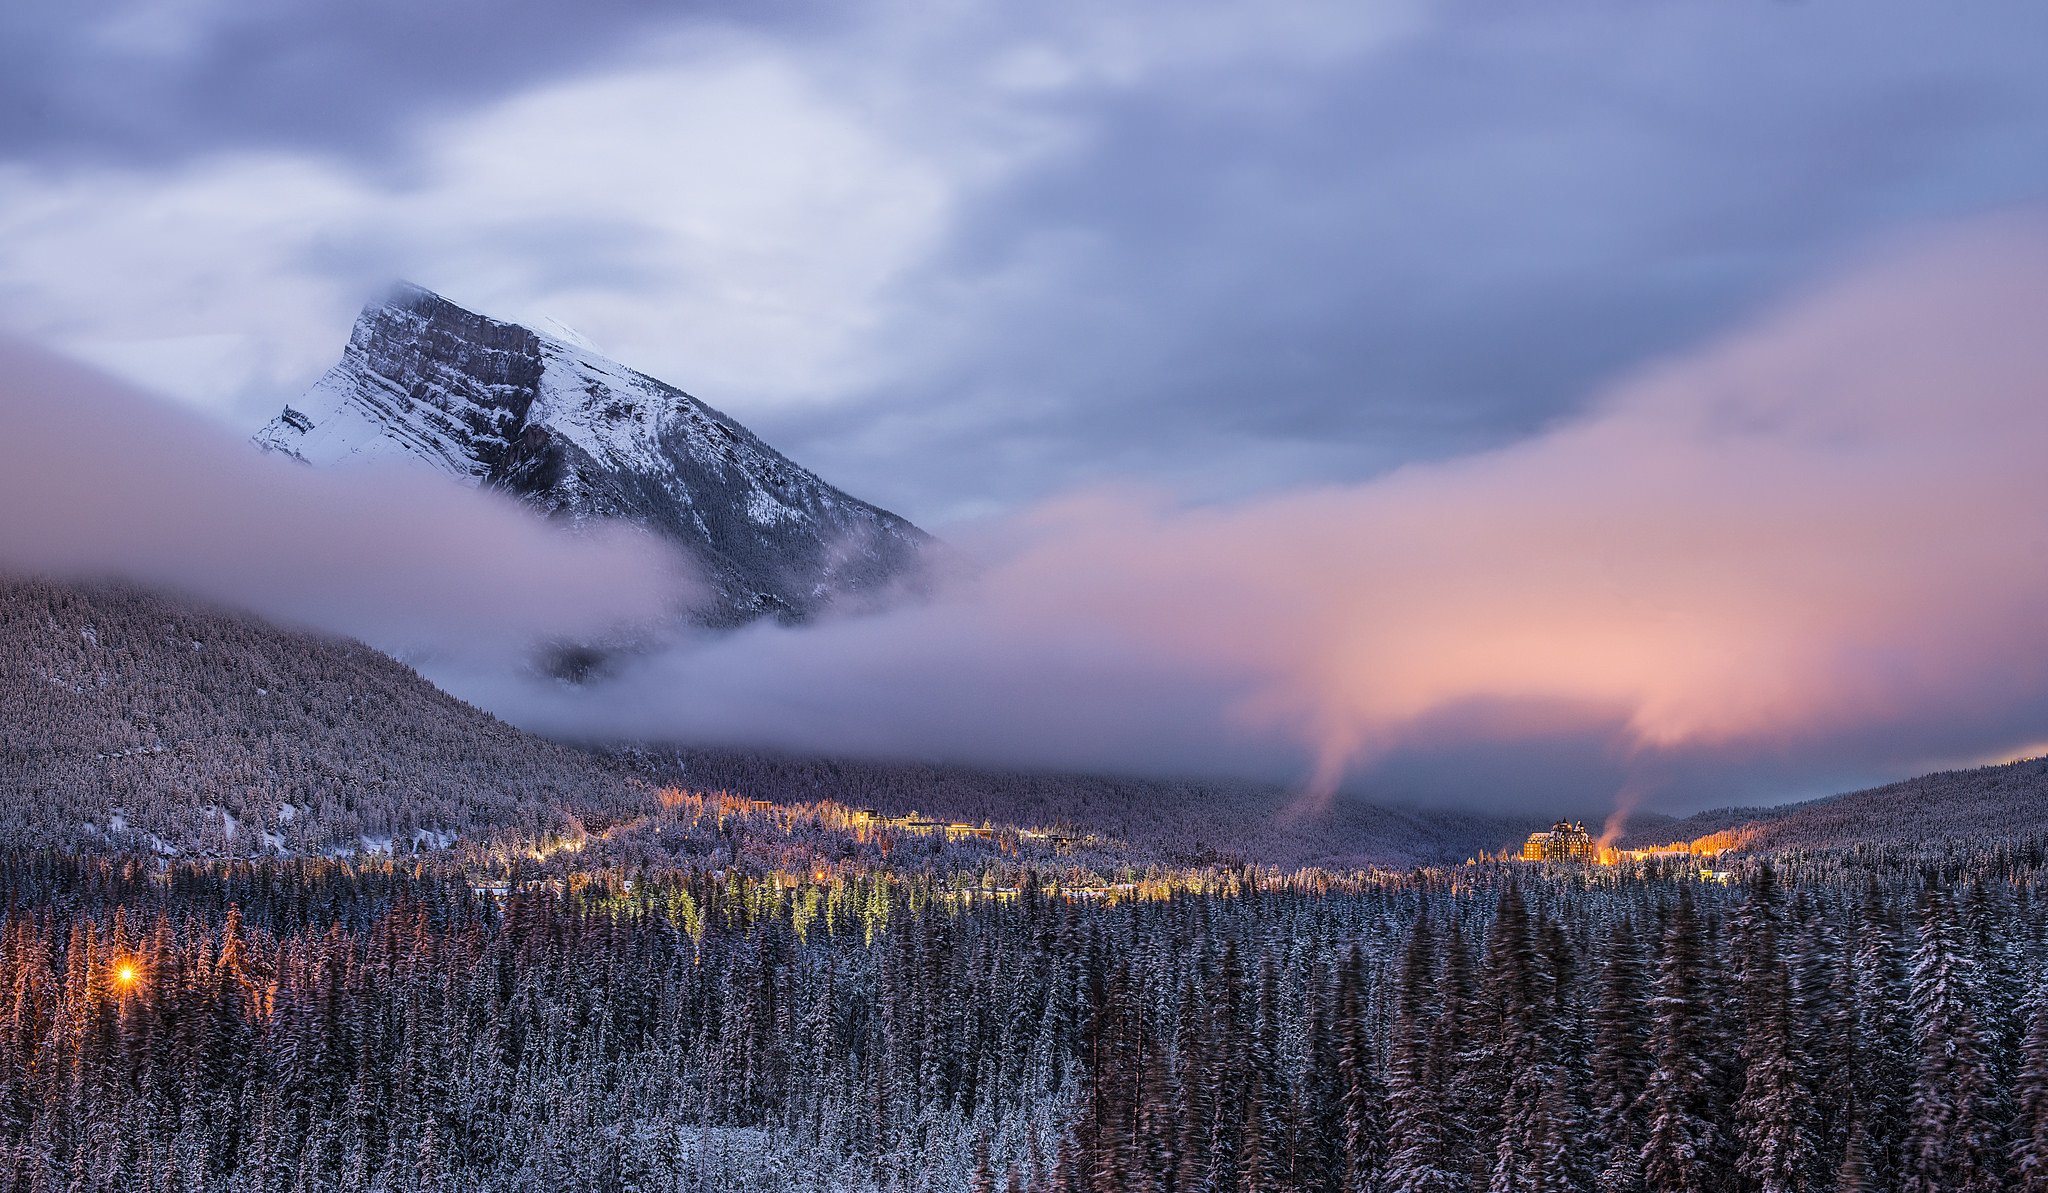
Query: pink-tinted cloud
x=1818, y=546
x=100, y=482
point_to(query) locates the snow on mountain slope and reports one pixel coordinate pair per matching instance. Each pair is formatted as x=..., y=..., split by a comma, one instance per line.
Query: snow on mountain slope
x=581, y=437
x=130, y=720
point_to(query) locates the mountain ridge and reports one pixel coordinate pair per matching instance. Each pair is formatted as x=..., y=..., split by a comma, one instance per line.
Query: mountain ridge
x=2003, y=801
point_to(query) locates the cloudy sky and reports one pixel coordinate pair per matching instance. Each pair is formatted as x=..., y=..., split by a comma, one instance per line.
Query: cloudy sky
x=962, y=256
x=1449, y=318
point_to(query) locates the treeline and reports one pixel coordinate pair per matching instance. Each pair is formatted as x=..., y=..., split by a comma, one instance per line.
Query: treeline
x=1191, y=821
x=1860, y=1023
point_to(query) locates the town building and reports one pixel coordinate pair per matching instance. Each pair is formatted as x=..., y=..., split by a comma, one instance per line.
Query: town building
x=1566, y=841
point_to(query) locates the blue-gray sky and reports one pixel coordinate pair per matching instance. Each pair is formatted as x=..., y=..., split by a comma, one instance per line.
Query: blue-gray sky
x=960, y=256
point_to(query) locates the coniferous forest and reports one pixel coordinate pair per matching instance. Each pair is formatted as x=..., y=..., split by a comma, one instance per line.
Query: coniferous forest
x=1868, y=1020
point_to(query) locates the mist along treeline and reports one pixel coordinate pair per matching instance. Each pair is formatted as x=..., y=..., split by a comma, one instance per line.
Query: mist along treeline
x=131, y=720
x=1860, y=1022
x=1191, y=821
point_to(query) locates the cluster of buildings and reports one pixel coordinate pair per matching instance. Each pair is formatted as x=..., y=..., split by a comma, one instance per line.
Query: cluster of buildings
x=918, y=826
x=957, y=830
x=1566, y=841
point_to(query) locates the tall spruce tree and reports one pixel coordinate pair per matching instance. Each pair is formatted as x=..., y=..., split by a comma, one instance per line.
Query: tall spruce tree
x=1951, y=1132
x=1508, y=1066
x=1457, y=1042
x=1855, y=1174
x=1421, y=1160
x=2030, y=1150
x=1363, y=1096
x=1776, y=1152
x=1881, y=1065
x=1620, y=1063
x=1683, y=1148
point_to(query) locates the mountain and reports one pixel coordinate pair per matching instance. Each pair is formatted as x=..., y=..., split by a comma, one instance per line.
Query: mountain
x=131, y=720
x=581, y=437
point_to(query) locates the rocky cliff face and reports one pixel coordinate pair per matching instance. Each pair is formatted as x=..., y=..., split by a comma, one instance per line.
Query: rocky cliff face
x=581, y=437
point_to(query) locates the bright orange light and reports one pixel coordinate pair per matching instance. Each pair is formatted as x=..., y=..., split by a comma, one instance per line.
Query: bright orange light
x=125, y=975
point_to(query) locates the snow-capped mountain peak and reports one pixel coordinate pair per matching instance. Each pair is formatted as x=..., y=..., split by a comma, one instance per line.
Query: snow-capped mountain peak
x=580, y=436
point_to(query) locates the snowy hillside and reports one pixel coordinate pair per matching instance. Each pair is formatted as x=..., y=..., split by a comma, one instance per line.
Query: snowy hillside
x=582, y=437
x=130, y=720
x=1947, y=809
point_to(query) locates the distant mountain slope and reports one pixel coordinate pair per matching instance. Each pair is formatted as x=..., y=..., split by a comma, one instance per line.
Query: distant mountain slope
x=582, y=437
x=1990, y=803
x=127, y=719
x=1182, y=820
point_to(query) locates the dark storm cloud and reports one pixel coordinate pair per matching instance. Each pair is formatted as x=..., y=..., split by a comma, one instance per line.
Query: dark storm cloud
x=159, y=80
x=1263, y=272
x=960, y=258
x=1221, y=248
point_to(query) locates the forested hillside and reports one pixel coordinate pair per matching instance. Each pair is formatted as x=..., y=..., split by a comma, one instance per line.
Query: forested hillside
x=1962, y=807
x=133, y=720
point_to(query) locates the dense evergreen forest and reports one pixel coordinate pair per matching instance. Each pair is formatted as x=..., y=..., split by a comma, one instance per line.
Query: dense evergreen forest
x=1861, y=1021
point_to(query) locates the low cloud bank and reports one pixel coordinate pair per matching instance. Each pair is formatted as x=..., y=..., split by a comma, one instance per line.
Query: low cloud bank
x=1813, y=553
x=99, y=482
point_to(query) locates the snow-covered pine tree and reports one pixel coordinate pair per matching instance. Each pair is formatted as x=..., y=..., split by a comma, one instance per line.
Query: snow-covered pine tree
x=1508, y=1069
x=1855, y=1174
x=1776, y=1152
x=1360, y=1091
x=2030, y=1094
x=1881, y=1066
x=1421, y=1160
x=1682, y=1147
x=1952, y=1143
x=1620, y=1063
